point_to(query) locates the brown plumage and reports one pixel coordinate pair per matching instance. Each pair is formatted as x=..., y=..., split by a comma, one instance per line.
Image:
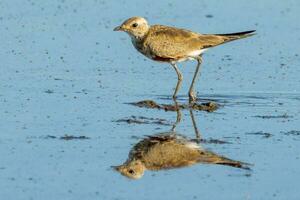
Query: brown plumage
x=172, y=45
x=175, y=44
x=169, y=150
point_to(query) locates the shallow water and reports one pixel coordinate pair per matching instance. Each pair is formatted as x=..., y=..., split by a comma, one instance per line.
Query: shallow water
x=66, y=79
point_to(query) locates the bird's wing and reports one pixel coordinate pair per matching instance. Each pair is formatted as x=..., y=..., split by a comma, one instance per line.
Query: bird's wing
x=143, y=146
x=173, y=43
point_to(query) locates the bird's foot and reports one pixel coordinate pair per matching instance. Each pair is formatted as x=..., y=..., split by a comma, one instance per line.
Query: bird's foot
x=192, y=97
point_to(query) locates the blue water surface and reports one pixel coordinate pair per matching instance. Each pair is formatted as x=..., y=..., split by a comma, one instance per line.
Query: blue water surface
x=63, y=71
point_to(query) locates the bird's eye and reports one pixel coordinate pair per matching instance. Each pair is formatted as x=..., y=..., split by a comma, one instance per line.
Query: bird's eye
x=134, y=25
x=131, y=171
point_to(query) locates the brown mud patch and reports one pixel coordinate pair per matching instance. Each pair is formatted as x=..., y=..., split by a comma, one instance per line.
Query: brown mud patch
x=208, y=107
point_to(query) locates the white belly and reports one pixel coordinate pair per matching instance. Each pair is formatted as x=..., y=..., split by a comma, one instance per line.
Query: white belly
x=192, y=55
x=196, y=53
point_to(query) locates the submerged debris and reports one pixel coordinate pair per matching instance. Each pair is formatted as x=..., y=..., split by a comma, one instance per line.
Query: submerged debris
x=263, y=134
x=209, y=106
x=144, y=120
x=67, y=137
x=284, y=116
x=71, y=137
x=49, y=91
x=50, y=137
x=210, y=141
x=293, y=132
x=147, y=104
x=214, y=141
x=209, y=16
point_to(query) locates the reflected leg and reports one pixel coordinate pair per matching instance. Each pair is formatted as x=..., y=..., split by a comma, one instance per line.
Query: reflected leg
x=198, y=135
x=178, y=118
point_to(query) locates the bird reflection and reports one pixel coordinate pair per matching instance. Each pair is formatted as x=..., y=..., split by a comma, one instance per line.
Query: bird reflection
x=171, y=150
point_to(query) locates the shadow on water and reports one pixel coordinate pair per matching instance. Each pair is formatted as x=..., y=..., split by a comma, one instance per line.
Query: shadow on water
x=167, y=150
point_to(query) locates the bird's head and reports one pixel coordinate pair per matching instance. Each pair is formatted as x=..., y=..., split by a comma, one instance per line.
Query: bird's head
x=136, y=27
x=133, y=169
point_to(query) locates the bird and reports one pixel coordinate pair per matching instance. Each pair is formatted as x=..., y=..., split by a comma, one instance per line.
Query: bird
x=173, y=45
x=169, y=150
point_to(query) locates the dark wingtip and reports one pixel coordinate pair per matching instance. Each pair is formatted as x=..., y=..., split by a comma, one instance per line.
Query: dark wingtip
x=247, y=32
x=237, y=164
x=244, y=33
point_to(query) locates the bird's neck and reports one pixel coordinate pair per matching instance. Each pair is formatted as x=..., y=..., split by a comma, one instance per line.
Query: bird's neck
x=136, y=38
x=139, y=36
x=137, y=43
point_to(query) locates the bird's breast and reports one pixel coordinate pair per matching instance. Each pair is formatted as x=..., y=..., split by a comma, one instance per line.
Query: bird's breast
x=138, y=45
x=146, y=52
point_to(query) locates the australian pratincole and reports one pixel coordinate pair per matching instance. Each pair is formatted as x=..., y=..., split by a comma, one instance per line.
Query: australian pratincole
x=173, y=45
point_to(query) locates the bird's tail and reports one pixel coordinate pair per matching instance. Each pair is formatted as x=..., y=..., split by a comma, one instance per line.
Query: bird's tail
x=235, y=36
x=233, y=163
x=212, y=158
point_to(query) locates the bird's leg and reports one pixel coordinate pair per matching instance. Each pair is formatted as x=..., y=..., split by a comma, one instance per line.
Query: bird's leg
x=197, y=132
x=180, y=77
x=192, y=95
x=178, y=116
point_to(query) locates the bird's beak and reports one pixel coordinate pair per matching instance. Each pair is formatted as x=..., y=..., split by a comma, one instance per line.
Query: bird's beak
x=117, y=168
x=118, y=28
